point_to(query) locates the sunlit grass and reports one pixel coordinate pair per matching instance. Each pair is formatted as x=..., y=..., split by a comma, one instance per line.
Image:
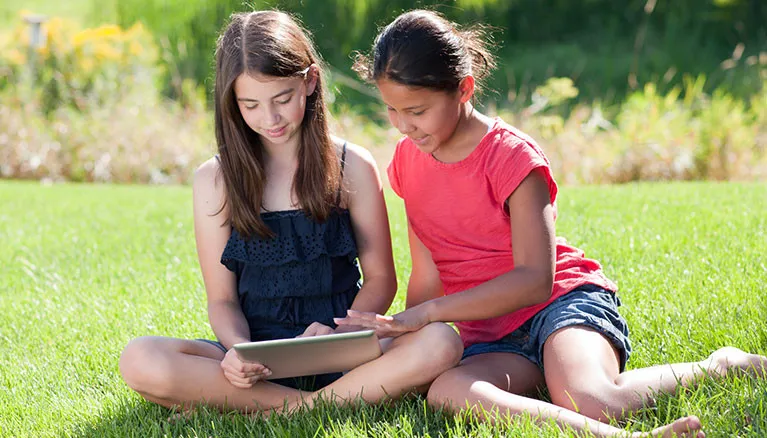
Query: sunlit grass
x=85, y=268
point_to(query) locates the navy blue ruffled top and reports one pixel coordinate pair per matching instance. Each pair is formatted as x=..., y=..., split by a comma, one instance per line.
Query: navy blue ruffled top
x=308, y=272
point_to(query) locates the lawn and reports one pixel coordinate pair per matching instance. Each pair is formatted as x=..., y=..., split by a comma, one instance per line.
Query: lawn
x=85, y=268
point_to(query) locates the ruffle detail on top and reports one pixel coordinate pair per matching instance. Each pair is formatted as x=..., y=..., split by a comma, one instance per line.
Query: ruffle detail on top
x=298, y=239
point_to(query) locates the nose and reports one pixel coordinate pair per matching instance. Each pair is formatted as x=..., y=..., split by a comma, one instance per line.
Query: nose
x=272, y=116
x=403, y=125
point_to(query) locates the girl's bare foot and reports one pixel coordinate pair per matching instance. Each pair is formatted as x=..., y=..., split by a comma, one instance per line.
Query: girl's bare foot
x=727, y=359
x=683, y=427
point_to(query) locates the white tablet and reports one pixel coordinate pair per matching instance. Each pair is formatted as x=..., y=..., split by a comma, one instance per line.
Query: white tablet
x=313, y=355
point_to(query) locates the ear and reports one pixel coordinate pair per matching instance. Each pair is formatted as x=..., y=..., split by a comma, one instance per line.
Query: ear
x=312, y=76
x=466, y=88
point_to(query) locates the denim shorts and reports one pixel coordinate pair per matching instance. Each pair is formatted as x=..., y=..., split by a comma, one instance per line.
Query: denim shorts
x=303, y=383
x=588, y=305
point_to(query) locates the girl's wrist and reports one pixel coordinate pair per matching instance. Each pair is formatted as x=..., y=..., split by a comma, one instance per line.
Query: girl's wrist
x=236, y=340
x=431, y=310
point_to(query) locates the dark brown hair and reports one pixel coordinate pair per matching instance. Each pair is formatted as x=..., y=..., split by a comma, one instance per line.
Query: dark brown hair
x=270, y=43
x=421, y=48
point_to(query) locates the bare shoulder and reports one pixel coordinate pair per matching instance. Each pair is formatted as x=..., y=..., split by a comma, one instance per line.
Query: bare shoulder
x=207, y=172
x=359, y=163
x=208, y=185
x=362, y=183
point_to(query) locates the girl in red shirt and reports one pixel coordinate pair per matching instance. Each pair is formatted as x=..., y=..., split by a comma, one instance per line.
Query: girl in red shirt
x=481, y=205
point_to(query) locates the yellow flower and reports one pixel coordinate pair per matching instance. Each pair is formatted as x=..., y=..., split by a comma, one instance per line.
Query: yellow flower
x=82, y=37
x=103, y=50
x=54, y=28
x=135, y=48
x=16, y=57
x=109, y=31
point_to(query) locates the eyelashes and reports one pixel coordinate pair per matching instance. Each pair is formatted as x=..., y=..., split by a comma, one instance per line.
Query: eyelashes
x=279, y=102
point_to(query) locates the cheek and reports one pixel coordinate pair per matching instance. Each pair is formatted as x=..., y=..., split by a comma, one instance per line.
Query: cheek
x=433, y=125
x=296, y=111
x=443, y=121
x=392, y=118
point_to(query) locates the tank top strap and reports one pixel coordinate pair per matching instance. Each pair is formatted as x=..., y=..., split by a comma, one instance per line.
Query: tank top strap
x=340, y=182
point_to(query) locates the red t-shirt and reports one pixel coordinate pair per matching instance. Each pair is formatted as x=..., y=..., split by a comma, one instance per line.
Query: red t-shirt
x=457, y=210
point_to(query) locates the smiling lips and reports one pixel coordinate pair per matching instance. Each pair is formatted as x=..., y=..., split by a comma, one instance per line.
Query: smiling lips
x=276, y=132
x=420, y=141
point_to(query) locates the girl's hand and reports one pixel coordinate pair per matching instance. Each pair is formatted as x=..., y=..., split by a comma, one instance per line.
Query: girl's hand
x=316, y=329
x=387, y=326
x=243, y=374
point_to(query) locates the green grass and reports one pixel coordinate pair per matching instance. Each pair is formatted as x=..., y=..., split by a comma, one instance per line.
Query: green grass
x=83, y=269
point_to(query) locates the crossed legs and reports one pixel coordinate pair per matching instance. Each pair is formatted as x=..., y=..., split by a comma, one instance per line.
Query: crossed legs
x=177, y=372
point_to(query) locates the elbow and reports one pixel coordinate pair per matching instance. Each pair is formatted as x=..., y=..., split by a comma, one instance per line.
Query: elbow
x=544, y=287
x=382, y=289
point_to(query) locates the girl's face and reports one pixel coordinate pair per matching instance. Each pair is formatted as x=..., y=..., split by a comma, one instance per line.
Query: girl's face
x=429, y=117
x=272, y=106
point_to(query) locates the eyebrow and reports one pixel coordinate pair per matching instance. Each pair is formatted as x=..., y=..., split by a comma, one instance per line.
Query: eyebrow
x=281, y=93
x=410, y=108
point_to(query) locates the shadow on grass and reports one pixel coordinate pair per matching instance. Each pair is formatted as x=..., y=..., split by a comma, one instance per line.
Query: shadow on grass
x=410, y=417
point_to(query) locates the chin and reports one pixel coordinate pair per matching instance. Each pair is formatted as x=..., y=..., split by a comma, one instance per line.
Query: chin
x=427, y=148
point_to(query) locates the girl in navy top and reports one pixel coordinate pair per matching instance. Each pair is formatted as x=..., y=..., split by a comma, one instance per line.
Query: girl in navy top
x=282, y=215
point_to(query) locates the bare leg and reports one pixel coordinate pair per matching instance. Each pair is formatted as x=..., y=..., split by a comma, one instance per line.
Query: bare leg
x=591, y=383
x=180, y=372
x=487, y=382
x=409, y=364
x=177, y=372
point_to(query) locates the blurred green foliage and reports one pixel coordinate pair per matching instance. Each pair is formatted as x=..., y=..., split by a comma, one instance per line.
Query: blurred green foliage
x=609, y=48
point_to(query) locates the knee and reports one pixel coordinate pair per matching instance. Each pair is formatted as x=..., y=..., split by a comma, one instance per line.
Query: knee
x=598, y=402
x=439, y=346
x=145, y=368
x=457, y=390
x=442, y=392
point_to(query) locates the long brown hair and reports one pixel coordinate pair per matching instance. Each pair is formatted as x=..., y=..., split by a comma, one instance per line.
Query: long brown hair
x=270, y=43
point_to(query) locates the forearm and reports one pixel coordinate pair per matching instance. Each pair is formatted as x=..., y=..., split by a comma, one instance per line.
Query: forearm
x=376, y=294
x=228, y=323
x=519, y=288
x=375, y=297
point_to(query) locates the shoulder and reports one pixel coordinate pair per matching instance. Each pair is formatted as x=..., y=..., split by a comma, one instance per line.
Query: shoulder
x=513, y=156
x=509, y=142
x=208, y=184
x=504, y=135
x=208, y=171
x=358, y=161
